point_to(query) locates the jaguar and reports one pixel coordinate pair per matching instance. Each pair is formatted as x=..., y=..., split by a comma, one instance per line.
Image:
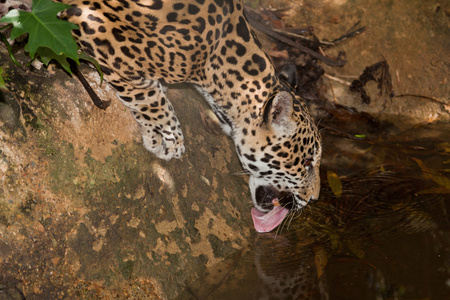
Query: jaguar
x=145, y=45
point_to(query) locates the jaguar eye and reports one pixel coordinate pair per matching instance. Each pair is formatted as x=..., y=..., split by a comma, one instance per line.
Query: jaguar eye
x=308, y=162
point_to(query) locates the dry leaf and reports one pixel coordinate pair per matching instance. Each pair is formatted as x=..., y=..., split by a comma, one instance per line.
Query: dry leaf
x=433, y=175
x=335, y=183
x=320, y=259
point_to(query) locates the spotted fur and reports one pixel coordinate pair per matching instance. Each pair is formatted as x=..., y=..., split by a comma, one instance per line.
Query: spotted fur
x=144, y=45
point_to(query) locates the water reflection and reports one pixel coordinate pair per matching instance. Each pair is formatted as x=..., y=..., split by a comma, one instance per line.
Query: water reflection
x=385, y=235
x=286, y=269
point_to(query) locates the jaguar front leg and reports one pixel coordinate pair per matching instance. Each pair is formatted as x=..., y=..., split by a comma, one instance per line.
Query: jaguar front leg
x=161, y=131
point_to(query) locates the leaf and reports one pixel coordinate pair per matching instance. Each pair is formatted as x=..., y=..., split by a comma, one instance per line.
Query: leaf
x=433, y=175
x=426, y=172
x=92, y=60
x=441, y=180
x=445, y=147
x=320, y=259
x=2, y=81
x=47, y=55
x=8, y=46
x=44, y=28
x=335, y=183
x=335, y=240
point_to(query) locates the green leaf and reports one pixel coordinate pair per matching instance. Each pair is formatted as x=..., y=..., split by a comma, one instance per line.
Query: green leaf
x=8, y=47
x=44, y=28
x=47, y=55
x=335, y=183
x=2, y=81
x=92, y=60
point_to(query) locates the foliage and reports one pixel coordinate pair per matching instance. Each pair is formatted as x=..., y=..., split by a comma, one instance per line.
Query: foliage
x=8, y=47
x=84, y=56
x=435, y=176
x=49, y=37
x=2, y=81
x=335, y=183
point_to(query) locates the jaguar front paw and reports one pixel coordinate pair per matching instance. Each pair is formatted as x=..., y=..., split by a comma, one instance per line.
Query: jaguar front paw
x=166, y=143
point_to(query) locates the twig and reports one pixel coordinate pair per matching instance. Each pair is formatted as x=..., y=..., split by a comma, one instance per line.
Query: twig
x=299, y=36
x=348, y=35
x=424, y=97
x=95, y=98
x=337, y=79
x=253, y=17
x=343, y=134
x=322, y=43
x=334, y=95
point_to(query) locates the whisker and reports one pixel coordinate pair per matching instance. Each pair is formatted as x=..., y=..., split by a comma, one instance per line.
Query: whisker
x=280, y=227
x=278, y=231
x=300, y=212
x=289, y=220
x=241, y=173
x=320, y=120
x=296, y=214
x=286, y=222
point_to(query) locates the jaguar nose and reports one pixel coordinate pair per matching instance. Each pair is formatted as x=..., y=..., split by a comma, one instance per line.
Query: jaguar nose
x=267, y=197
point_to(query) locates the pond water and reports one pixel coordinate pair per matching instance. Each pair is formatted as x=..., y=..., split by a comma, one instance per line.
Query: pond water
x=380, y=229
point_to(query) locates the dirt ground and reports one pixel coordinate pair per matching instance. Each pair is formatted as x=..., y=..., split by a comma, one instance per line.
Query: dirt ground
x=412, y=36
x=87, y=212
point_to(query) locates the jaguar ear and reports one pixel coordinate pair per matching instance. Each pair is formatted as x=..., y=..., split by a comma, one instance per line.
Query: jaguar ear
x=288, y=73
x=279, y=114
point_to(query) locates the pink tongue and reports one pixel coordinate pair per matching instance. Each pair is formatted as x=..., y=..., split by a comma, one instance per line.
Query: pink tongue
x=265, y=222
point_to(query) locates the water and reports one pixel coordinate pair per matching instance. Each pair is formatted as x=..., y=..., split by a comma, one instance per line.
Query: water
x=385, y=237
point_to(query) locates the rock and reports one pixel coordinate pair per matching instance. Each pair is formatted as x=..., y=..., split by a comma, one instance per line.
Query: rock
x=86, y=211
